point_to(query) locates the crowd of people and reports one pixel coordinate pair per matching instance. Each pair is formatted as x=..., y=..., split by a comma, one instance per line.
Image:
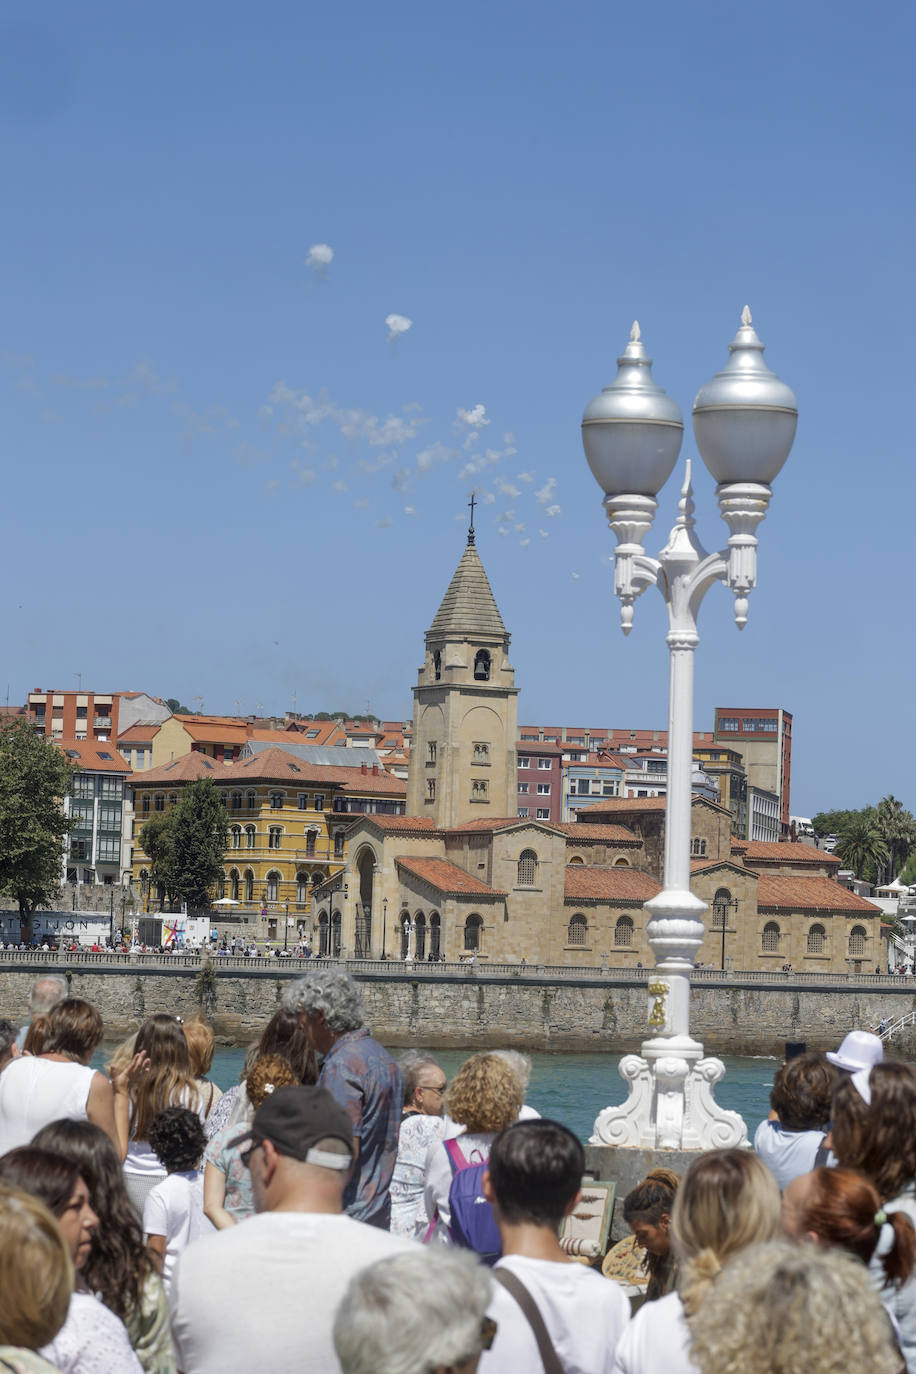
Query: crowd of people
x=339, y=1209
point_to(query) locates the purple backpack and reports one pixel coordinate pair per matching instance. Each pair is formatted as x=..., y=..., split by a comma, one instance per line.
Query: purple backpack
x=473, y=1226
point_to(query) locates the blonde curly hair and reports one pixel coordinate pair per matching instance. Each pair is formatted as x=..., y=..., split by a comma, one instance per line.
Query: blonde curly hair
x=727, y=1201
x=485, y=1095
x=267, y=1073
x=778, y=1308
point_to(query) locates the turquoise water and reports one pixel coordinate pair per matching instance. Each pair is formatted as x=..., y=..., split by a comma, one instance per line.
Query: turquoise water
x=573, y=1088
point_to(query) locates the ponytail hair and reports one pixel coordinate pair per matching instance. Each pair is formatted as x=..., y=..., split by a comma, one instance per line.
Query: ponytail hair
x=842, y=1208
x=651, y=1199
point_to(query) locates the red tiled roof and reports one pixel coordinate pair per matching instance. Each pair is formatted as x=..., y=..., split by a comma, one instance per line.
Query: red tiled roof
x=403, y=825
x=93, y=756
x=186, y=768
x=793, y=893
x=277, y=765
x=758, y=851
x=608, y=884
x=214, y=729
x=139, y=734
x=616, y=806
x=500, y=823
x=447, y=878
x=700, y=865
x=583, y=833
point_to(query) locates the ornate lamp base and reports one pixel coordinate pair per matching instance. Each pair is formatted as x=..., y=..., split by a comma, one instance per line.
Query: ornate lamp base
x=670, y=1105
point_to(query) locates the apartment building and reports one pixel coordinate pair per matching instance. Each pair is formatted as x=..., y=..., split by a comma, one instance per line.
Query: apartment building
x=74, y=715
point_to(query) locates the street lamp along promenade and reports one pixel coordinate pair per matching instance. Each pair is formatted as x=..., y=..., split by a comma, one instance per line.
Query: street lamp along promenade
x=744, y=425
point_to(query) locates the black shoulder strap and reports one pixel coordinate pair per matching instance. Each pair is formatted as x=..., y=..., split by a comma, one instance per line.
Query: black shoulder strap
x=513, y=1284
x=823, y=1154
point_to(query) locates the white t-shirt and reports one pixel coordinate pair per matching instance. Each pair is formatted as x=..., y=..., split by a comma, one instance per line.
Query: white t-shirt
x=141, y=1157
x=787, y=1154
x=585, y=1316
x=34, y=1092
x=261, y=1296
x=657, y=1340
x=175, y=1209
x=92, y=1341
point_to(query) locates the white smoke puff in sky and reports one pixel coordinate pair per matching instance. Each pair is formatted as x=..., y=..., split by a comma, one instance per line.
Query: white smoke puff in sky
x=523, y=543
x=339, y=486
x=319, y=258
x=307, y=476
x=546, y=492
x=543, y=534
x=488, y=499
x=507, y=489
x=476, y=417
x=503, y=530
x=553, y=510
x=525, y=476
x=575, y=577
x=397, y=325
x=400, y=479
x=410, y=510
x=384, y=524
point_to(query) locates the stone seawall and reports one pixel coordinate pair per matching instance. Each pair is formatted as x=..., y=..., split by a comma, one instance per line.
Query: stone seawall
x=591, y=1013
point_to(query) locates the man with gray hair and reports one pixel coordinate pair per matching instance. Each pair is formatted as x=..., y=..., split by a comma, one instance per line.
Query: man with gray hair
x=363, y=1078
x=47, y=991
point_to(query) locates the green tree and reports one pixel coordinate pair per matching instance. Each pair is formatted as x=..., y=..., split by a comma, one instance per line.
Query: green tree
x=198, y=840
x=156, y=842
x=898, y=830
x=831, y=822
x=35, y=776
x=907, y=874
x=176, y=707
x=861, y=845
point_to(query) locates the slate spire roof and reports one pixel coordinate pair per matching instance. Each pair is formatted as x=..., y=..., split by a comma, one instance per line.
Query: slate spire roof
x=468, y=607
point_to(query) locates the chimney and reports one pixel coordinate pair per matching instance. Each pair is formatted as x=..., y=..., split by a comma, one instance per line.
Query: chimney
x=375, y=770
x=364, y=770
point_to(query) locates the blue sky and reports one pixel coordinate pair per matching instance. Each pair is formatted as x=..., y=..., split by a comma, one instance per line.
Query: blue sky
x=222, y=479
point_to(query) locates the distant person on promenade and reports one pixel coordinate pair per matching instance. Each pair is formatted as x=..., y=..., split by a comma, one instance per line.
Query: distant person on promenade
x=533, y=1182
x=423, y=1125
x=47, y=991
x=802, y=1095
x=262, y=1296
x=364, y=1079
x=728, y=1200
x=874, y=1132
x=418, y=1313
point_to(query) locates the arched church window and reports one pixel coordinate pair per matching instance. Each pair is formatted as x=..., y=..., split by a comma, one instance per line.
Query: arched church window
x=482, y=665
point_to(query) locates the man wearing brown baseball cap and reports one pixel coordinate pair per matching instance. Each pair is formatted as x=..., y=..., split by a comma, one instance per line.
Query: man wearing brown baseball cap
x=262, y=1294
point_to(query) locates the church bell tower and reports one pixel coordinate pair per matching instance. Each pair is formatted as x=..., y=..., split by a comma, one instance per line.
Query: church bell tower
x=463, y=753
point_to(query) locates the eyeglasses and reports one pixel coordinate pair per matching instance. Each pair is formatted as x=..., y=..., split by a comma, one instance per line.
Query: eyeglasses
x=488, y=1329
x=245, y=1156
x=432, y=1088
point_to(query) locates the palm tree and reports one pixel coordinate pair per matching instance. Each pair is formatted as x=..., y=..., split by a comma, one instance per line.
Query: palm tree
x=898, y=830
x=861, y=845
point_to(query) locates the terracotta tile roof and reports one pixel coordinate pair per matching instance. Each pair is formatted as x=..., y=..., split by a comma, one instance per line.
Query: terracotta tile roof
x=277, y=765
x=791, y=893
x=214, y=729
x=700, y=865
x=93, y=756
x=138, y=734
x=585, y=884
x=447, y=878
x=583, y=833
x=784, y=852
x=616, y=806
x=187, y=768
x=403, y=825
x=533, y=746
x=500, y=823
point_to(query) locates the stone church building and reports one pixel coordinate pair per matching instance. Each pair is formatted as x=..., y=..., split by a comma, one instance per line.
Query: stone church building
x=462, y=876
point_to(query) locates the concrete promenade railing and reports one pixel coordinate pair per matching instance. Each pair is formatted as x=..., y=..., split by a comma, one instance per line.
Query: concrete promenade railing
x=11, y=959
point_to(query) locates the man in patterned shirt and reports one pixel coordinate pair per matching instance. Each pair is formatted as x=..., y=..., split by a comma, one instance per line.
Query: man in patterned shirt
x=363, y=1078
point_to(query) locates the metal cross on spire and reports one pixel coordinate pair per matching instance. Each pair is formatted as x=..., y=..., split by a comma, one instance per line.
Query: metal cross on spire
x=471, y=503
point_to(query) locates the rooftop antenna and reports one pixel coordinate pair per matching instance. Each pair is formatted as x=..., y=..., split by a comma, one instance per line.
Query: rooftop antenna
x=200, y=702
x=79, y=681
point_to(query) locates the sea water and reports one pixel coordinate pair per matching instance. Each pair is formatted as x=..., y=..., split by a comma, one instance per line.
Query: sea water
x=573, y=1088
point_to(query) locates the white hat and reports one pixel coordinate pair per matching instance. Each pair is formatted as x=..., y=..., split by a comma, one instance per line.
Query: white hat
x=859, y=1050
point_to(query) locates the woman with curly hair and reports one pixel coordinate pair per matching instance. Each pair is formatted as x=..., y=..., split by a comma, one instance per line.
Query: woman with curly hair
x=53, y=1079
x=118, y=1269
x=484, y=1097
x=727, y=1201
x=167, y=1081
x=227, y=1183
x=92, y=1338
x=282, y=1035
x=647, y=1211
x=838, y=1207
x=874, y=1132
x=36, y=1281
x=780, y=1308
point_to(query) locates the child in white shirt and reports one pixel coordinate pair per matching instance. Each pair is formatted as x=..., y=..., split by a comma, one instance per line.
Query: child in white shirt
x=173, y=1214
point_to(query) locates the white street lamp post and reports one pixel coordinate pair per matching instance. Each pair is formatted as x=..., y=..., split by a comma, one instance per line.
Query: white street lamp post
x=744, y=425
